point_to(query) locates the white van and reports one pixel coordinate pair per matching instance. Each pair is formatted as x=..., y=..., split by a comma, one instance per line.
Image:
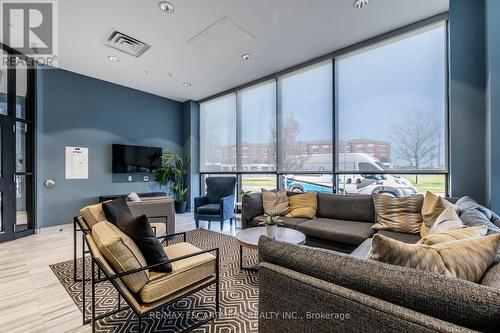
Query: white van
x=360, y=183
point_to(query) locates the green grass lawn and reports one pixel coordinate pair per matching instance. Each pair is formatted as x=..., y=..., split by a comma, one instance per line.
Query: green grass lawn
x=433, y=183
x=266, y=182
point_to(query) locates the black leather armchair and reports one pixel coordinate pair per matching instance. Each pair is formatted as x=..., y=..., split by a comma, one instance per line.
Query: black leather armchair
x=218, y=203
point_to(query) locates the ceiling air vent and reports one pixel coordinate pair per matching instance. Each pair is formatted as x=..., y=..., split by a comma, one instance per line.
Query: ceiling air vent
x=125, y=43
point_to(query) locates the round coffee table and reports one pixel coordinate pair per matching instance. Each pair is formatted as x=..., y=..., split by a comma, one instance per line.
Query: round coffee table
x=249, y=238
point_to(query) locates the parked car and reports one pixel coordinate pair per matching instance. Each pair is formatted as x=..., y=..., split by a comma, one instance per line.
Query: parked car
x=361, y=183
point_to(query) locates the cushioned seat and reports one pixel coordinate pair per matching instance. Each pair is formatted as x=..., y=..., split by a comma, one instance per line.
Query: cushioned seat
x=346, y=232
x=184, y=272
x=405, y=238
x=288, y=222
x=209, y=209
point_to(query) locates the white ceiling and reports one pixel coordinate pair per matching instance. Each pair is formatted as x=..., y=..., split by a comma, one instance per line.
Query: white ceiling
x=286, y=33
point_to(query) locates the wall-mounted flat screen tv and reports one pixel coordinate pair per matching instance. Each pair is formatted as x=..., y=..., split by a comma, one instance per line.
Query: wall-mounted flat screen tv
x=127, y=159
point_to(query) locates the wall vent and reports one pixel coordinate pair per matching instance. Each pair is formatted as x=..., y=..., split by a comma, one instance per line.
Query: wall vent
x=125, y=43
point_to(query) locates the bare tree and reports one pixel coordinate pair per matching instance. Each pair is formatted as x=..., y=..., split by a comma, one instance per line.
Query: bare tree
x=292, y=154
x=418, y=141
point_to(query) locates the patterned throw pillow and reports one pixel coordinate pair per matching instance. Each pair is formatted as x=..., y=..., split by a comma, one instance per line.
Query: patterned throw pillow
x=473, y=214
x=275, y=203
x=398, y=214
x=452, y=235
x=433, y=206
x=466, y=259
x=448, y=220
x=303, y=205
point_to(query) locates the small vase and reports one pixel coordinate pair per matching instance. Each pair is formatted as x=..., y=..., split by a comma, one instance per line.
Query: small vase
x=271, y=230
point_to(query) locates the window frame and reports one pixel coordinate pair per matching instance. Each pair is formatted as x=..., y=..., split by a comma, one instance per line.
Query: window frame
x=415, y=28
x=396, y=38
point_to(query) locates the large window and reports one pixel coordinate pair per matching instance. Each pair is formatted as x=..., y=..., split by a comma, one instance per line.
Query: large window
x=218, y=135
x=305, y=129
x=387, y=132
x=257, y=107
x=392, y=105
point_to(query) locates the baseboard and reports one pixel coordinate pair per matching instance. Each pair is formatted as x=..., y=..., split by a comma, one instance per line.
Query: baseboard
x=54, y=228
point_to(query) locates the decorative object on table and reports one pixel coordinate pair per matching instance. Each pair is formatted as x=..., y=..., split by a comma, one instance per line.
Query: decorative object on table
x=174, y=173
x=218, y=203
x=271, y=223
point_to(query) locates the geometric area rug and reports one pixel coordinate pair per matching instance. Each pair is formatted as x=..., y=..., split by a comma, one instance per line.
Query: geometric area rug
x=238, y=295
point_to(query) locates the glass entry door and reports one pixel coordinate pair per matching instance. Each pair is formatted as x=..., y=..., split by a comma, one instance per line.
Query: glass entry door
x=7, y=182
x=17, y=142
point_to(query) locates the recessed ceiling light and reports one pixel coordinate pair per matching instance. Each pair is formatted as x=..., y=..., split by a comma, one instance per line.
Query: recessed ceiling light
x=171, y=74
x=247, y=56
x=187, y=84
x=113, y=59
x=360, y=3
x=166, y=7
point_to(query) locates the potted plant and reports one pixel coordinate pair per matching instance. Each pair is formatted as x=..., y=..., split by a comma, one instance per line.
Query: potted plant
x=271, y=223
x=174, y=174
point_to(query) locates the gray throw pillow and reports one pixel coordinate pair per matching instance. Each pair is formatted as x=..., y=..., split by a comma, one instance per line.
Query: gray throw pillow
x=473, y=214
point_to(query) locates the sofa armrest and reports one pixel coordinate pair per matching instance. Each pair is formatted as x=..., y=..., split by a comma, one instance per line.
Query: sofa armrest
x=321, y=307
x=251, y=206
x=156, y=198
x=458, y=301
x=200, y=201
x=227, y=207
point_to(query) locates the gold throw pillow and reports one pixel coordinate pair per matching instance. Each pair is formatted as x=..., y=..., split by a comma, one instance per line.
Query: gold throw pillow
x=433, y=206
x=466, y=259
x=275, y=203
x=398, y=214
x=452, y=235
x=448, y=220
x=303, y=205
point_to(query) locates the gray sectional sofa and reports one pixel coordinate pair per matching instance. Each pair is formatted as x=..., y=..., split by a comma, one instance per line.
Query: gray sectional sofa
x=342, y=223
x=311, y=289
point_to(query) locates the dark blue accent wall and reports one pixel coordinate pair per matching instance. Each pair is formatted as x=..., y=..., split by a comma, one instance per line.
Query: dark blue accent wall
x=75, y=110
x=467, y=99
x=493, y=101
x=475, y=100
